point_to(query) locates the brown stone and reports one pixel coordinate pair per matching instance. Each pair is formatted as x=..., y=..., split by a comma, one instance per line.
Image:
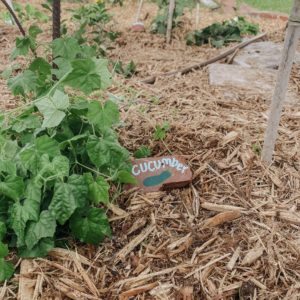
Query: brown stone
x=138, y=27
x=159, y=173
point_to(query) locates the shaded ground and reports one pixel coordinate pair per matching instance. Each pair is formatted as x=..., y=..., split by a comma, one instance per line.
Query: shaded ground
x=163, y=242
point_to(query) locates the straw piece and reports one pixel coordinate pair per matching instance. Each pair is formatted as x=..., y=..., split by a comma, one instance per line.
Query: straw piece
x=222, y=218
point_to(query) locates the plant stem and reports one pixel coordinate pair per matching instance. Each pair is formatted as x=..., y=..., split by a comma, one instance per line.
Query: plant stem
x=15, y=17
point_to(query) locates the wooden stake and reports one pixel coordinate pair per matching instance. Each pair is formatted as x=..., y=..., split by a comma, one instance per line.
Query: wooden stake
x=138, y=13
x=197, y=14
x=170, y=21
x=284, y=72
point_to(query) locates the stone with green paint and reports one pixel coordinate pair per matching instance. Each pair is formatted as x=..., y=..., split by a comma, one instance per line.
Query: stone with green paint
x=160, y=173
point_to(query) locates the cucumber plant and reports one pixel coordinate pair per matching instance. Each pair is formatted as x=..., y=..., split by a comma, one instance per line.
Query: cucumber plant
x=59, y=151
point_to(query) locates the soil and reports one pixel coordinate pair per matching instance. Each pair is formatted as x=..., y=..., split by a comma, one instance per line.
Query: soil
x=233, y=233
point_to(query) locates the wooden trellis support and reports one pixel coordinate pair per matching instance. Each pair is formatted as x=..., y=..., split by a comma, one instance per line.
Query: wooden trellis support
x=284, y=73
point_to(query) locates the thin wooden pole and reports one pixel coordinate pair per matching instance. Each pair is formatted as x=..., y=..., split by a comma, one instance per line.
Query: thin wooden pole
x=284, y=72
x=170, y=21
x=197, y=15
x=56, y=20
x=11, y=11
x=138, y=13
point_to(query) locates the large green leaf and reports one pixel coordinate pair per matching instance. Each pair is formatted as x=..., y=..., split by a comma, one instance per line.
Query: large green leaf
x=63, y=67
x=88, y=75
x=90, y=225
x=103, y=116
x=3, y=250
x=23, y=83
x=66, y=48
x=105, y=153
x=40, y=67
x=8, y=167
x=2, y=230
x=31, y=154
x=102, y=69
x=6, y=270
x=57, y=168
x=23, y=45
x=29, y=211
x=26, y=122
x=98, y=189
x=41, y=249
x=8, y=148
x=12, y=187
x=67, y=197
x=52, y=108
x=45, y=227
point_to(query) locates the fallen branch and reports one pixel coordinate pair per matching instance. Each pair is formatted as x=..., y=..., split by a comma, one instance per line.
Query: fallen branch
x=187, y=70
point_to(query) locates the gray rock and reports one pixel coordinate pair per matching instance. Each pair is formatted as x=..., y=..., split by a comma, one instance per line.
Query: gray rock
x=210, y=4
x=260, y=81
x=262, y=55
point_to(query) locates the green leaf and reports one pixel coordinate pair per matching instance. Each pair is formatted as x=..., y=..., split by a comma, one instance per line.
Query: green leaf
x=40, y=67
x=67, y=197
x=6, y=270
x=124, y=176
x=66, y=48
x=3, y=250
x=106, y=153
x=53, y=108
x=23, y=45
x=26, y=122
x=34, y=31
x=45, y=227
x=103, y=116
x=142, y=152
x=31, y=154
x=161, y=131
x=88, y=75
x=12, y=187
x=29, y=211
x=8, y=167
x=63, y=65
x=2, y=230
x=41, y=249
x=102, y=69
x=23, y=83
x=98, y=189
x=90, y=225
x=8, y=148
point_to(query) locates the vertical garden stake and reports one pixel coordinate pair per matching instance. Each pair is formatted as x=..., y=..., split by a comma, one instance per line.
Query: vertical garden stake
x=284, y=72
x=11, y=11
x=170, y=21
x=56, y=19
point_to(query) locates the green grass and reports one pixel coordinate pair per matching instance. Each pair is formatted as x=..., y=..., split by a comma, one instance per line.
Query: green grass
x=274, y=5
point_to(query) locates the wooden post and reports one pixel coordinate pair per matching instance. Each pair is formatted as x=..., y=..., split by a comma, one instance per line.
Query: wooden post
x=138, y=13
x=197, y=14
x=170, y=21
x=284, y=72
x=56, y=20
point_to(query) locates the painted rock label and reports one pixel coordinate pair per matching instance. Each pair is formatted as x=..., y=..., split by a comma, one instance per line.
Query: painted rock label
x=159, y=173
